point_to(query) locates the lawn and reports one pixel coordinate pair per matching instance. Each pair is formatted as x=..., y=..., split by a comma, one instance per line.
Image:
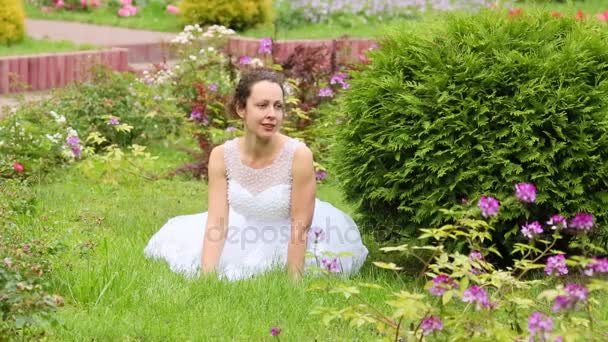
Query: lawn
x=36, y=46
x=113, y=293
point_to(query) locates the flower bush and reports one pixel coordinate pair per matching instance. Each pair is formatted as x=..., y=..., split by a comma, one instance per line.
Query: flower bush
x=467, y=297
x=25, y=303
x=202, y=79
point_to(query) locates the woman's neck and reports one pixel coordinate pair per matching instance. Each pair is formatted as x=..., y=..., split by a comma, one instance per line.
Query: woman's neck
x=261, y=149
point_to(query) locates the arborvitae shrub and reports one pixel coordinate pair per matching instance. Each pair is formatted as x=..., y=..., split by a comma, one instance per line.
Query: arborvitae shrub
x=238, y=15
x=472, y=106
x=12, y=25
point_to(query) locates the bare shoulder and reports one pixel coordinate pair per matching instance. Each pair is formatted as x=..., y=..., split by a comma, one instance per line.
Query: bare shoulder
x=302, y=157
x=216, y=160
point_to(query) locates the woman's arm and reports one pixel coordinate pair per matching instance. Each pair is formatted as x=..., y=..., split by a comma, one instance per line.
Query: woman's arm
x=302, y=209
x=217, y=219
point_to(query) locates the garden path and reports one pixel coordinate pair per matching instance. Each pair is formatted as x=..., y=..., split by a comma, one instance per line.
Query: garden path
x=82, y=33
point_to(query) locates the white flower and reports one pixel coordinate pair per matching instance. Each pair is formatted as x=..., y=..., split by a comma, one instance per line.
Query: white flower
x=211, y=49
x=192, y=57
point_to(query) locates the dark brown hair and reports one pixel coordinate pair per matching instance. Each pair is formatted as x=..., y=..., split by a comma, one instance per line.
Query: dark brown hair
x=243, y=88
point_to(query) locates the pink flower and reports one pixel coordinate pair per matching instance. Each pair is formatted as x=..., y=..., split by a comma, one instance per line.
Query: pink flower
x=478, y=295
x=525, y=192
x=172, y=9
x=574, y=294
x=320, y=175
x=603, y=16
x=557, y=222
x=95, y=3
x=582, y=221
x=489, y=206
x=580, y=15
x=441, y=284
x=556, y=263
x=124, y=12
x=326, y=92
x=132, y=9
x=124, y=3
x=430, y=324
x=597, y=266
x=275, y=331
x=530, y=230
x=331, y=265
x=18, y=167
x=539, y=323
x=59, y=3
x=83, y=3
x=265, y=45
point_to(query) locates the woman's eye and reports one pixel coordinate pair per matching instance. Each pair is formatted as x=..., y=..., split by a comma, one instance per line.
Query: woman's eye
x=262, y=105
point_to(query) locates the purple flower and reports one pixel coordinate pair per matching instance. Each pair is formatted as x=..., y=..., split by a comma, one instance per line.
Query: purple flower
x=556, y=263
x=317, y=233
x=73, y=140
x=76, y=151
x=331, y=265
x=275, y=331
x=574, y=294
x=230, y=129
x=582, y=221
x=478, y=295
x=530, y=230
x=489, y=206
x=430, y=324
x=265, y=45
x=557, y=222
x=597, y=266
x=320, y=175
x=114, y=121
x=441, y=284
x=212, y=87
x=525, y=192
x=199, y=116
x=475, y=255
x=326, y=92
x=538, y=323
x=339, y=78
x=245, y=60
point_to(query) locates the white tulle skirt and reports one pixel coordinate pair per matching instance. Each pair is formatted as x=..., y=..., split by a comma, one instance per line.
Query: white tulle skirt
x=252, y=247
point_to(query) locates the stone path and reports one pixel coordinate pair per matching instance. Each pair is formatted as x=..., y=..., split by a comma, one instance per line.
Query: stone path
x=82, y=33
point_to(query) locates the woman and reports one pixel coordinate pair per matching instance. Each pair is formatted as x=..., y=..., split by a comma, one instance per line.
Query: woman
x=262, y=202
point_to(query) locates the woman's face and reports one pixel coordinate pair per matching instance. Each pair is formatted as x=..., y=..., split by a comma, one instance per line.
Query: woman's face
x=263, y=112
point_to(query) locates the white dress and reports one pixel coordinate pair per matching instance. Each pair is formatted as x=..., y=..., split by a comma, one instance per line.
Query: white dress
x=259, y=226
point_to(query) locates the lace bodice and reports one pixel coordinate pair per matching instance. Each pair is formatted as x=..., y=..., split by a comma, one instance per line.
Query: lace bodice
x=265, y=193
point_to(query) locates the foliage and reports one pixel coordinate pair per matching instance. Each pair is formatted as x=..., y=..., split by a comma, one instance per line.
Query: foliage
x=466, y=297
x=475, y=104
x=25, y=303
x=202, y=81
x=237, y=15
x=12, y=21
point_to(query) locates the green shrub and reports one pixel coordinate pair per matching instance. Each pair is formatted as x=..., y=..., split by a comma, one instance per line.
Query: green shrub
x=238, y=15
x=12, y=21
x=474, y=105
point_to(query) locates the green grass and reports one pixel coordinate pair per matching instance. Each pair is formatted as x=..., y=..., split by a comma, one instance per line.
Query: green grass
x=113, y=292
x=151, y=17
x=31, y=46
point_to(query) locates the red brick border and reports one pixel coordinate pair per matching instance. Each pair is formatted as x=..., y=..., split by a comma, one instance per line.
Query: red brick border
x=348, y=50
x=46, y=71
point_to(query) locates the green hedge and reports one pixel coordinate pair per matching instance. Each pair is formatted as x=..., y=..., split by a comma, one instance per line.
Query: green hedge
x=471, y=106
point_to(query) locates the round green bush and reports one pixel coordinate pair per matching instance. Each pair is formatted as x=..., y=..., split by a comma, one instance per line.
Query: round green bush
x=12, y=21
x=471, y=106
x=238, y=15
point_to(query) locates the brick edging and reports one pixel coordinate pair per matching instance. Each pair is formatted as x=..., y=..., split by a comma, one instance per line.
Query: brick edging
x=349, y=50
x=52, y=70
